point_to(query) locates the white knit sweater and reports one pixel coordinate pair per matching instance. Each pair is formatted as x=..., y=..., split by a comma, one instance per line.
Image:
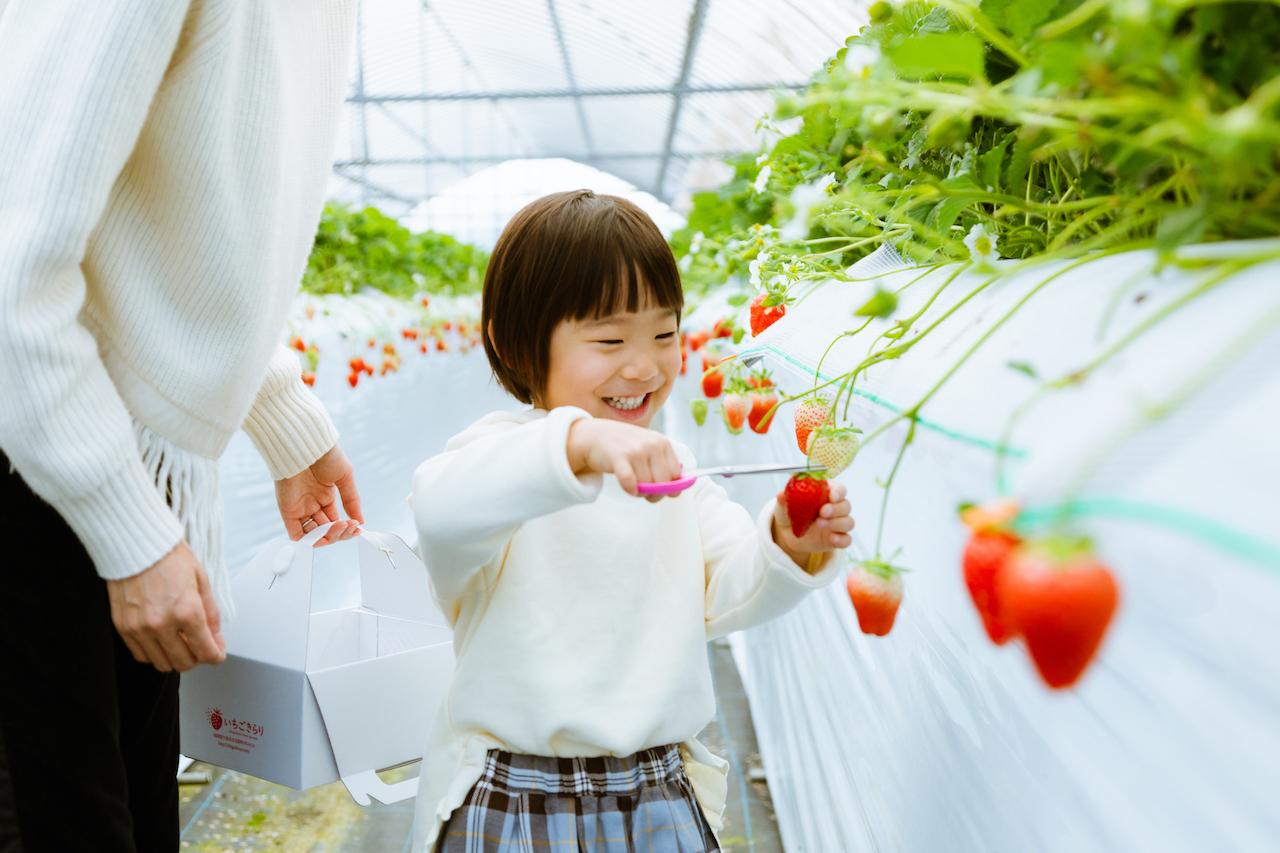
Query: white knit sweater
x=162, y=171
x=580, y=613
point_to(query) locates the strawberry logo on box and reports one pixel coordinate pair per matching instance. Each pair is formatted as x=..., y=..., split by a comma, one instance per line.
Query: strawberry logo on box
x=215, y=719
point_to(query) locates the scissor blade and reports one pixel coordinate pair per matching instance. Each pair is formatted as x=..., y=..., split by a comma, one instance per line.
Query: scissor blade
x=762, y=468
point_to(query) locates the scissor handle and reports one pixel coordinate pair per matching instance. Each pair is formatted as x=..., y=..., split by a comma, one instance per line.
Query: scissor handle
x=671, y=487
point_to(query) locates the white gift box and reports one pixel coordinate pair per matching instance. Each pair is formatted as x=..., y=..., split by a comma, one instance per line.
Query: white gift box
x=307, y=698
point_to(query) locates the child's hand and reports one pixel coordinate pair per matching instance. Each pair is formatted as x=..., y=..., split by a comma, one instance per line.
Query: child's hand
x=633, y=454
x=829, y=532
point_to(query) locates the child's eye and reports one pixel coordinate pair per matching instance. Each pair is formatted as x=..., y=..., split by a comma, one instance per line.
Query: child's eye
x=666, y=336
x=611, y=342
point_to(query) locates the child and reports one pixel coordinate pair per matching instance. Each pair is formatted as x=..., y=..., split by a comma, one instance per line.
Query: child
x=581, y=614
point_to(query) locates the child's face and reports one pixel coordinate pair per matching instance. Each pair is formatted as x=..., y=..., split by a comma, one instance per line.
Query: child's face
x=620, y=367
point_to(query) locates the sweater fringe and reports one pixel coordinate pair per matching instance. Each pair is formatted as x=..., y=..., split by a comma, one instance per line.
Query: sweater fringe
x=189, y=482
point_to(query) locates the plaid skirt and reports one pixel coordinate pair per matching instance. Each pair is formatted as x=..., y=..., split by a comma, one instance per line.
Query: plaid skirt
x=643, y=802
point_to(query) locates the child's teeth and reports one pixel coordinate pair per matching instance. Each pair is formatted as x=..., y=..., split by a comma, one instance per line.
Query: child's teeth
x=626, y=402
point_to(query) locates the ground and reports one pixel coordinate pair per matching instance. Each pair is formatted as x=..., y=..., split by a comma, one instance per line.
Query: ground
x=234, y=812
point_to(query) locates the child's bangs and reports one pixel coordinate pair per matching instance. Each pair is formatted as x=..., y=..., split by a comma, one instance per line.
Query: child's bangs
x=628, y=268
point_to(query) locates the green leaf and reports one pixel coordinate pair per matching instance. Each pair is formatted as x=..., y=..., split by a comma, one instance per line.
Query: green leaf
x=881, y=304
x=989, y=165
x=1182, y=226
x=933, y=55
x=1023, y=367
x=737, y=300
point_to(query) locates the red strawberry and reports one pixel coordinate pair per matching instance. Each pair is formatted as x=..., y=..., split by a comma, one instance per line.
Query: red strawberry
x=1060, y=598
x=422, y=347
x=762, y=411
x=805, y=495
x=426, y=301
x=833, y=448
x=308, y=379
x=876, y=591
x=368, y=368
x=441, y=346
x=696, y=340
x=765, y=310
x=722, y=329
x=356, y=364
x=299, y=345
x=215, y=719
x=984, y=558
x=684, y=361
x=810, y=414
x=353, y=378
x=735, y=408
x=712, y=383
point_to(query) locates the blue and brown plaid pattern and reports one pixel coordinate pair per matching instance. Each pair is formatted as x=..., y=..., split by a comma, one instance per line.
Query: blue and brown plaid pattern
x=642, y=803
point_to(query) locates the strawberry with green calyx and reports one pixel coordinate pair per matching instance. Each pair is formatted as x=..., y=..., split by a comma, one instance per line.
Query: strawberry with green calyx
x=805, y=495
x=699, y=410
x=764, y=403
x=811, y=413
x=875, y=588
x=761, y=378
x=1060, y=598
x=985, y=554
x=766, y=309
x=735, y=407
x=712, y=383
x=723, y=328
x=833, y=448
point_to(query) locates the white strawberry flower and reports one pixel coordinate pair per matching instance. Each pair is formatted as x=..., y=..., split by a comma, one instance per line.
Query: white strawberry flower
x=762, y=179
x=755, y=266
x=858, y=58
x=695, y=242
x=982, y=246
x=803, y=198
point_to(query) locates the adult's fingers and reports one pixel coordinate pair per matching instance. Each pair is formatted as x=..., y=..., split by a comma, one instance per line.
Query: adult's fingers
x=154, y=652
x=350, y=496
x=176, y=648
x=134, y=648
x=843, y=524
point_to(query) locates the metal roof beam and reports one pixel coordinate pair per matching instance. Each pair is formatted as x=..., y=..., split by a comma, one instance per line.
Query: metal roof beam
x=696, y=19
x=573, y=82
x=366, y=184
x=502, y=158
x=535, y=94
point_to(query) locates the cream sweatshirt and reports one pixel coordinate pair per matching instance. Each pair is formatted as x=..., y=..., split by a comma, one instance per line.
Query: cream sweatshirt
x=581, y=614
x=162, y=171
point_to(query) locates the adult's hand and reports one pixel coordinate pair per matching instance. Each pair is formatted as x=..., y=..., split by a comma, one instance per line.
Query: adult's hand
x=310, y=498
x=166, y=614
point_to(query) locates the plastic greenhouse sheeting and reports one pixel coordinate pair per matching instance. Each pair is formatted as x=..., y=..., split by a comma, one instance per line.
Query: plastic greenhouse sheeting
x=933, y=739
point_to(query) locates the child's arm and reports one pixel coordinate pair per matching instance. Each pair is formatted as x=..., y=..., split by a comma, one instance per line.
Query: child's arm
x=757, y=572
x=470, y=499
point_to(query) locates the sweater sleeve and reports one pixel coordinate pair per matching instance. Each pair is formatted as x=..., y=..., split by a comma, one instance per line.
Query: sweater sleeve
x=287, y=423
x=79, y=79
x=467, y=502
x=749, y=578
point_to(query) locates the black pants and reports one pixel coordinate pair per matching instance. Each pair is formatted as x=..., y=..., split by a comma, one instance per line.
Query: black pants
x=88, y=736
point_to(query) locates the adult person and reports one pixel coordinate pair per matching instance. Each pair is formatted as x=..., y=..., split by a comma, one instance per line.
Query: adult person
x=162, y=171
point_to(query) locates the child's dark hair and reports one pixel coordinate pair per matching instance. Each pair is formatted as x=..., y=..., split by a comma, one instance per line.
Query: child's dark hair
x=568, y=256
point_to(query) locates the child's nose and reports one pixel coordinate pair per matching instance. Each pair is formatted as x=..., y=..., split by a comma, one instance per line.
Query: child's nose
x=640, y=369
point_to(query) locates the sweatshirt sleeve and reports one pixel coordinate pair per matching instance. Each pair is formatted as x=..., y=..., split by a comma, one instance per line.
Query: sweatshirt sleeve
x=749, y=578
x=78, y=82
x=287, y=423
x=468, y=501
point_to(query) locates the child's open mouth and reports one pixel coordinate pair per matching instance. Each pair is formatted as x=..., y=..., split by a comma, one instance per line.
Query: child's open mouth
x=629, y=408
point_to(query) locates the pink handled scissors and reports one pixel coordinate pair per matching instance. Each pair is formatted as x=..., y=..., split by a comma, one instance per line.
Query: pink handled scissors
x=683, y=482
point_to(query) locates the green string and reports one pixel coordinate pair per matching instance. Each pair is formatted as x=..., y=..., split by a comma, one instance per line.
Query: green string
x=956, y=435
x=1211, y=532
x=1214, y=533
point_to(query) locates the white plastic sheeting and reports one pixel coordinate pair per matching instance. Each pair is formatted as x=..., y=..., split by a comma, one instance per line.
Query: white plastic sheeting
x=932, y=738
